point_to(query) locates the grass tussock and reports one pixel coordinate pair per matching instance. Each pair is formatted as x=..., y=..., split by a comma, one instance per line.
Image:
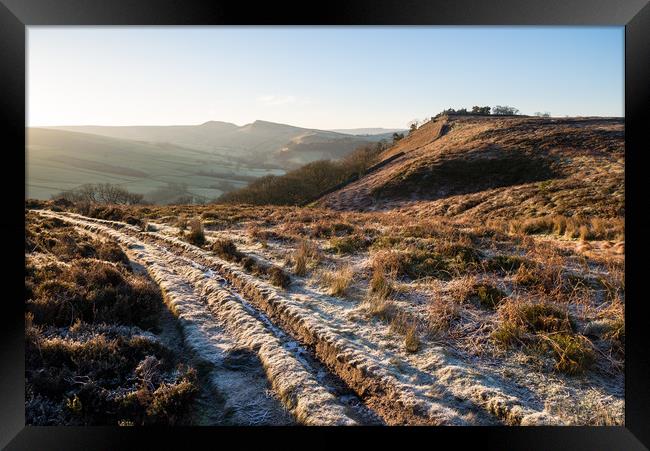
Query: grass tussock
x=349, y=244
x=583, y=228
x=505, y=263
x=195, y=235
x=306, y=257
x=182, y=223
x=573, y=353
x=380, y=308
x=544, y=328
x=337, y=281
x=227, y=249
x=328, y=229
x=488, y=295
x=441, y=315
x=385, y=266
x=405, y=325
x=278, y=277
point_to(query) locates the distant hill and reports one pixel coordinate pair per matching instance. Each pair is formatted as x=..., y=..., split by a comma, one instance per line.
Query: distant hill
x=58, y=160
x=210, y=158
x=498, y=167
x=369, y=131
x=281, y=145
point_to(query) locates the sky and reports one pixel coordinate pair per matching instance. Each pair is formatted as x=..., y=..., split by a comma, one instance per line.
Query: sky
x=316, y=77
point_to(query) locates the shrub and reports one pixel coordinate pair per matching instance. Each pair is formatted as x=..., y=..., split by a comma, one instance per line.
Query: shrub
x=226, y=249
x=573, y=353
x=249, y=264
x=505, y=263
x=306, y=183
x=105, y=193
x=112, y=252
x=170, y=401
x=85, y=363
x=488, y=295
x=500, y=110
x=94, y=291
x=349, y=244
x=132, y=220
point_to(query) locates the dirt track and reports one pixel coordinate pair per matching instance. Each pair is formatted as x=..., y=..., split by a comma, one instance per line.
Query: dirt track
x=255, y=339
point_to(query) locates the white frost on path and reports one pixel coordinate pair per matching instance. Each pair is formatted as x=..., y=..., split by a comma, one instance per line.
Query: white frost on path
x=311, y=403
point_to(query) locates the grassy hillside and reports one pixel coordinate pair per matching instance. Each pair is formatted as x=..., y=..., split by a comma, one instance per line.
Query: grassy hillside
x=210, y=159
x=499, y=167
x=58, y=160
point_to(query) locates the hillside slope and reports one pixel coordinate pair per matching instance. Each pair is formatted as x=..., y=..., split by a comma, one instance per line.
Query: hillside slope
x=261, y=141
x=502, y=167
x=58, y=160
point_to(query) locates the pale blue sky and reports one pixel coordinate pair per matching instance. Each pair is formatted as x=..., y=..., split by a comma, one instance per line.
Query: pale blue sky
x=318, y=77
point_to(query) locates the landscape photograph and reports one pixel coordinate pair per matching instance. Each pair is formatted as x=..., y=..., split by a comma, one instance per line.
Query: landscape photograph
x=325, y=226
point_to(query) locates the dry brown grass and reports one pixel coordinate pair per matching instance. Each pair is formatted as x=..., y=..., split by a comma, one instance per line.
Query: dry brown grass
x=583, y=228
x=278, y=277
x=306, y=257
x=578, y=170
x=337, y=281
x=442, y=312
x=196, y=234
x=544, y=328
x=84, y=349
x=385, y=266
x=380, y=307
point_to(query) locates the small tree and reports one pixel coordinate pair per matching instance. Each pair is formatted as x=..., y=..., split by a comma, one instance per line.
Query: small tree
x=482, y=110
x=103, y=193
x=397, y=137
x=504, y=110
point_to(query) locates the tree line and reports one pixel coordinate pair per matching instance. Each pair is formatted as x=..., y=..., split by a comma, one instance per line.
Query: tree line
x=305, y=183
x=101, y=193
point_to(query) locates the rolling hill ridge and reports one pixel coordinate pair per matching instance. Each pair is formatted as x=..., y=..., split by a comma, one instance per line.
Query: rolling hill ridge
x=200, y=161
x=498, y=166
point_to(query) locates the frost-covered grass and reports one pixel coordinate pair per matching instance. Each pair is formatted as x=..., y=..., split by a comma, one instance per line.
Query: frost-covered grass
x=445, y=300
x=91, y=357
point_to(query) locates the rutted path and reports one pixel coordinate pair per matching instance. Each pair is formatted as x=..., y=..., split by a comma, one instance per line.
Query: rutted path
x=235, y=345
x=257, y=318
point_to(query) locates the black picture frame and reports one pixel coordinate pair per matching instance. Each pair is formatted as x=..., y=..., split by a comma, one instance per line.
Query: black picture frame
x=16, y=15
